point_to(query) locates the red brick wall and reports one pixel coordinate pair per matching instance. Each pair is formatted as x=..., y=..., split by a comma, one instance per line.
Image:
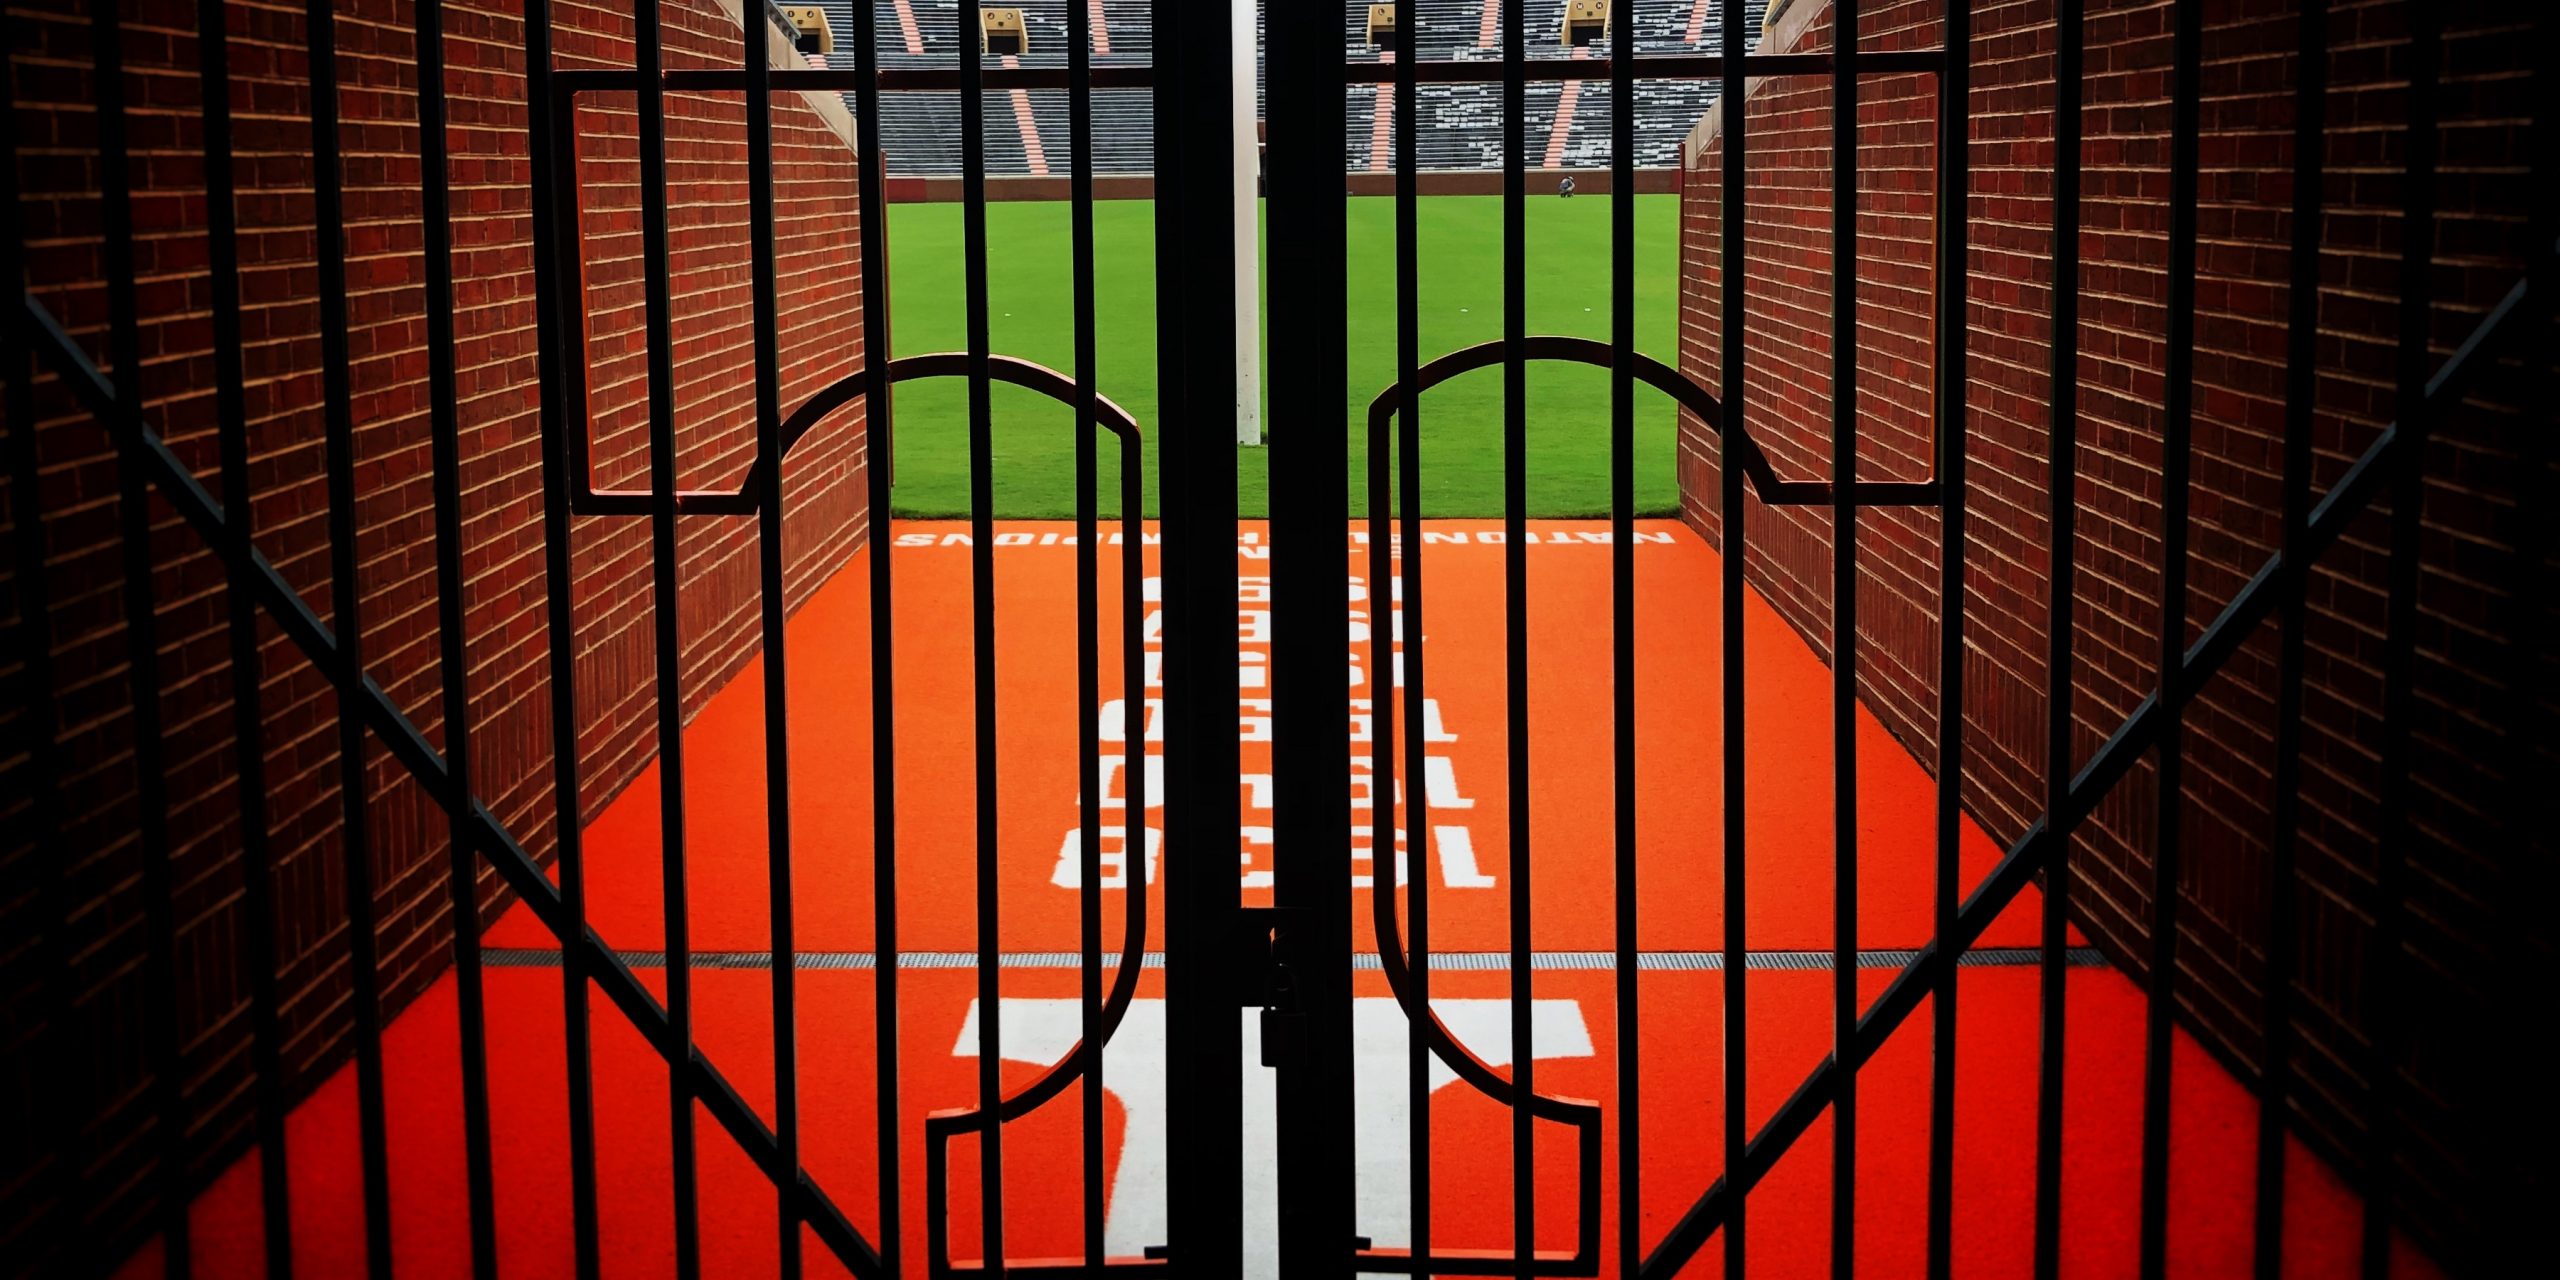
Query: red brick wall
x=93, y=863
x=2470, y=745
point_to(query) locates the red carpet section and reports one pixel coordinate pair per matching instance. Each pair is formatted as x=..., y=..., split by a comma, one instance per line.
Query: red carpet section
x=1462, y=857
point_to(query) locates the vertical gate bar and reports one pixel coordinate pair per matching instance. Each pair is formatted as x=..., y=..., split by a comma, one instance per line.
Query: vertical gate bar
x=1622, y=628
x=1176, y=83
x=2386, y=969
x=1133, y=823
x=982, y=631
x=569, y=250
x=1417, y=804
x=59, y=1237
x=2526, y=879
x=871, y=207
x=2302, y=387
x=1383, y=860
x=346, y=596
x=550, y=145
x=167, y=1055
x=1196, y=382
x=663, y=554
x=1953, y=272
x=1133, y=680
x=2176, y=444
x=1515, y=617
x=1306, y=104
x=1731, y=448
x=770, y=606
x=435, y=224
x=1133, y=675
x=1089, y=742
x=257, y=855
x=2062, y=490
x=1844, y=635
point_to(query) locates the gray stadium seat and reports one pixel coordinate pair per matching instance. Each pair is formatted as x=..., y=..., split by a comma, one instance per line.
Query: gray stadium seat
x=1462, y=124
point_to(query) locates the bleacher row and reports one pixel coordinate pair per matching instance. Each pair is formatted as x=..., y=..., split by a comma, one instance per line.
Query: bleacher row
x=1462, y=125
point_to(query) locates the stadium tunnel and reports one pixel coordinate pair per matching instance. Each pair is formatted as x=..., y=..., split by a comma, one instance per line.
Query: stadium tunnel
x=1941, y=673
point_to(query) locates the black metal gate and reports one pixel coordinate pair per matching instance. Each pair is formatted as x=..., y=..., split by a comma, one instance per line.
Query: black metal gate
x=1294, y=960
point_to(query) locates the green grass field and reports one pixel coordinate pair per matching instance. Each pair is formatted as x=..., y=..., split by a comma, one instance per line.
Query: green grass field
x=1461, y=304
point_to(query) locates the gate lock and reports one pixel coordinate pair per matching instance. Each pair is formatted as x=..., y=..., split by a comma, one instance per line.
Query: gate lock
x=1263, y=976
x=1284, y=1024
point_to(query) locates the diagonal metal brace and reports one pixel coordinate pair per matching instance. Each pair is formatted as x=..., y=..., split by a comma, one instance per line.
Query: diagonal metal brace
x=138, y=445
x=2281, y=573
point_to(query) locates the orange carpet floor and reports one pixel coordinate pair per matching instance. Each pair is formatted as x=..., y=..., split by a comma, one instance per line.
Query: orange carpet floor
x=1464, y=861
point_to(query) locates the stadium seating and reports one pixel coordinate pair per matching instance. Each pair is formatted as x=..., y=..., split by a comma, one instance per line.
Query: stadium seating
x=1026, y=130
